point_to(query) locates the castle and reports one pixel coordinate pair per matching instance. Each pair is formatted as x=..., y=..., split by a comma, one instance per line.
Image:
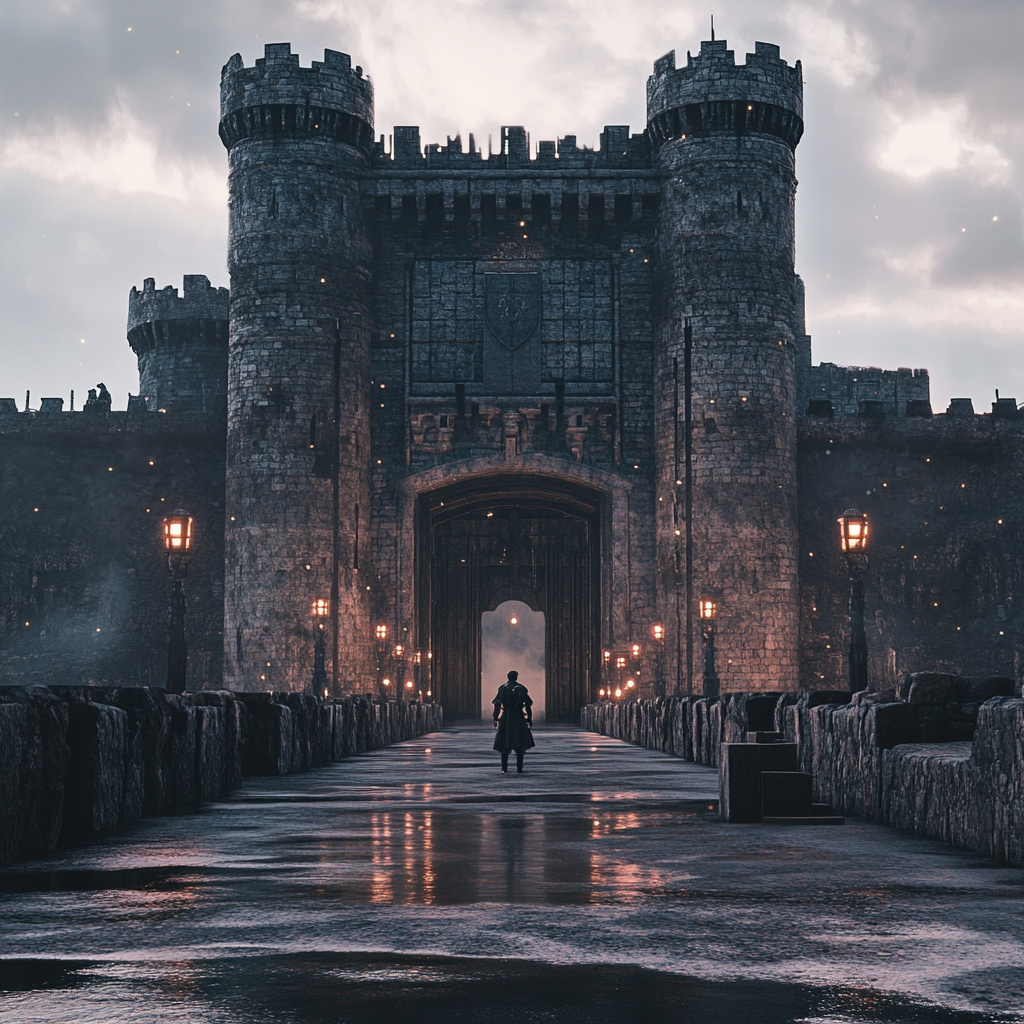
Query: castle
x=579, y=379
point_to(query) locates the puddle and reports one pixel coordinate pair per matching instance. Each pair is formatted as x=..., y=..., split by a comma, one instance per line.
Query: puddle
x=371, y=988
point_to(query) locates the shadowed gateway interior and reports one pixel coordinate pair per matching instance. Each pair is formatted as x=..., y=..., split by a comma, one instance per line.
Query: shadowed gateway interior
x=511, y=538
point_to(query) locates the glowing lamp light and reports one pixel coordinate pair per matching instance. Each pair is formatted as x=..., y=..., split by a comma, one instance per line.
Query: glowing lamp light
x=178, y=531
x=321, y=608
x=600, y=693
x=618, y=692
x=607, y=656
x=708, y=608
x=514, y=621
x=381, y=632
x=635, y=649
x=630, y=683
x=387, y=682
x=620, y=662
x=408, y=684
x=399, y=650
x=659, y=632
x=853, y=530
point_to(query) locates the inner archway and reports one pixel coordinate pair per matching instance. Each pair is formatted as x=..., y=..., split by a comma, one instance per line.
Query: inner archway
x=511, y=537
x=512, y=637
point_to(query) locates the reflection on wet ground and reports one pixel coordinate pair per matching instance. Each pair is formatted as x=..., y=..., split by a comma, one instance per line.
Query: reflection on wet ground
x=377, y=989
x=419, y=875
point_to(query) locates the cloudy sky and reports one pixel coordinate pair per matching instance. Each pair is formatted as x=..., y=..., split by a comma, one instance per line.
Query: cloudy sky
x=911, y=169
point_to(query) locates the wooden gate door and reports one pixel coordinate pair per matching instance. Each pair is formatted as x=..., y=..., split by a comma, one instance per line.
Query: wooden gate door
x=505, y=541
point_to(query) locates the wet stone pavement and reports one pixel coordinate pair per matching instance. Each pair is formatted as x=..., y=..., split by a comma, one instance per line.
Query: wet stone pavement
x=598, y=886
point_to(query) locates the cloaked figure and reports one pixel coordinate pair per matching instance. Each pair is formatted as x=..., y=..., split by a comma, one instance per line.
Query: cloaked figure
x=104, y=394
x=513, y=716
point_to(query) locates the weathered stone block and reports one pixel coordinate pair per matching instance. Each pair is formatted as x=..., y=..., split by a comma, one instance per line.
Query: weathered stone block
x=928, y=688
x=94, y=779
x=739, y=778
x=33, y=758
x=786, y=794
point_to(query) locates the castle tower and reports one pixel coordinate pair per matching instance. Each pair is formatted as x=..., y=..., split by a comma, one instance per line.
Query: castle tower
x=181, y=344
x=298, y=368
x=725, y=139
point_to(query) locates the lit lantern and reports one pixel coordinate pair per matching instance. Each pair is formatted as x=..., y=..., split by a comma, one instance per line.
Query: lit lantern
x=514, y=621
x=853, y=530
x=399, y=650
x=620, y=662
x=607, y=656
x=408, y=684
x=178, y=532
x=618, y=692
x=381, y=632
x=708, y=609
x=321, y=607
x=630, y=683
x=659, y=632
x=600, y=693
x=387, y=682
x=635, y=650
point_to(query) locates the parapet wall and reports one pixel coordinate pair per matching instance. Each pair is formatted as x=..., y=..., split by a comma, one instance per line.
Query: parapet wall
x=76, y=762
x=870, y=755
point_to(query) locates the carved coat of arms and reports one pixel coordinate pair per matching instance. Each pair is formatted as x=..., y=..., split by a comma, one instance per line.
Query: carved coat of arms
x=512, y=307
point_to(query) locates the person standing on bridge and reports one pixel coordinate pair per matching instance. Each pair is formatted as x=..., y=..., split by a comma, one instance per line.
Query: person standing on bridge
x=513, y=716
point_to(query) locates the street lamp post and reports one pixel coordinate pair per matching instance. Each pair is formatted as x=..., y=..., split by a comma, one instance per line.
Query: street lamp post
x=380, y=633
x=321, y=609
x=178, y=545
x=708, y=614
x=853, y=535
x=658, y=632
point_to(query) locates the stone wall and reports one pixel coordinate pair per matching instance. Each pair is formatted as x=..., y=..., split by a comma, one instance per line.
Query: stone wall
x=873, y=756
x=76, y=762
x=944, y=588
x=84, y=588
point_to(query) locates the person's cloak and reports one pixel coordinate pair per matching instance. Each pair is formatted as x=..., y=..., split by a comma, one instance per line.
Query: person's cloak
x=512, y=709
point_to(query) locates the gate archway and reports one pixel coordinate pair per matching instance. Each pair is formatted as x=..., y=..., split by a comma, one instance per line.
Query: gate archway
x=511, y=538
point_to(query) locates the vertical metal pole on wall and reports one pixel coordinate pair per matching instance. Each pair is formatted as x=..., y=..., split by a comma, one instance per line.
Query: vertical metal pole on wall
x=675, y=520
x=858, y=662
x=688, y=481
x=336, y=509
x=177, y=653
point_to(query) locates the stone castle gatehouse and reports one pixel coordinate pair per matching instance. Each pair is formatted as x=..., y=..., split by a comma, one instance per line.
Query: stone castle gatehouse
x=576, y=378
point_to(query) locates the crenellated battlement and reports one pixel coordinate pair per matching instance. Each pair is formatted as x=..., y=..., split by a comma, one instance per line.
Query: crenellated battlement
x=199, y=301
x=618, y=150
x=278, y=98
x=714, y=94
x=181, y=342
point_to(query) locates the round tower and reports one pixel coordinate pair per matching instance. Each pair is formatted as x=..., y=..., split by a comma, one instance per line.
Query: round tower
x=725, y=138
x=181, y=343
x=298, y=140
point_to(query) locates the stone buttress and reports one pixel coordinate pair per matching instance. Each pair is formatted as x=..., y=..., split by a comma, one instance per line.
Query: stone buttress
x=297, y=492
x=724, y=139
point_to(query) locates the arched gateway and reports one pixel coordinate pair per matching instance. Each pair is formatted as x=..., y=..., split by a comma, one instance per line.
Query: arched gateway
x=510, y=537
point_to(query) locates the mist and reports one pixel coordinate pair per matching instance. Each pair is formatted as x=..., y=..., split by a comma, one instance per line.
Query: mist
x=513, y=638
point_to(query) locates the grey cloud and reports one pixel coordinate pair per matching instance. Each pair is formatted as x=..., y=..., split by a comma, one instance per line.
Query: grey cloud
x=72, y=64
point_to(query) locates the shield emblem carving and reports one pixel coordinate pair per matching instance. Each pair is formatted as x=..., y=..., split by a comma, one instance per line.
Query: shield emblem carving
x=512, y=307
